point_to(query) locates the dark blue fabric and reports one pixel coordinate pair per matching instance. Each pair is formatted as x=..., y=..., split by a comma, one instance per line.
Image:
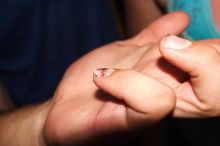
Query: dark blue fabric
x=39, y=39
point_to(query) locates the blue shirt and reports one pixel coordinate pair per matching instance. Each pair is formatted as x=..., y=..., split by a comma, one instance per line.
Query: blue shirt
x=39, y=39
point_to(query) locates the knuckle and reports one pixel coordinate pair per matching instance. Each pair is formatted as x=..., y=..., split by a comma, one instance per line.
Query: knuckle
x=209, y=109
x=209, y=53
x=168, y=100
x=165, y=103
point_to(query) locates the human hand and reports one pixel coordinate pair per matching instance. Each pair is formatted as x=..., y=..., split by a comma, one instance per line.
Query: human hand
x=80, y=110
x=198, y=96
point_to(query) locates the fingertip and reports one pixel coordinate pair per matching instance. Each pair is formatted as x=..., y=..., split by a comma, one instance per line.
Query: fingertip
x=174, y=42
x=178, y=52
x=171, y=47
x=171, y=23
x=182, y=14
x=177, y=21
x=103, y=72
x=165, y=104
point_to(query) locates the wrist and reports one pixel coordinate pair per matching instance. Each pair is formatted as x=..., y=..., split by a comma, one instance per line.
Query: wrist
x=24, y=125
x=39, y=119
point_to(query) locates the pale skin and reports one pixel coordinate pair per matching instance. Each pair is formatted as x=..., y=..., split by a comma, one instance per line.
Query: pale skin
x=193, y=75
x=127, y=50
x=137, y=17
x=76, y=108
x=198, y=95
x=56, y=122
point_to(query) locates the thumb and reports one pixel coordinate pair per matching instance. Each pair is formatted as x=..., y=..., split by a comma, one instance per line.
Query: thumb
x=201, y=61
x=141, y=93
x=195, y=58
x=172, y=23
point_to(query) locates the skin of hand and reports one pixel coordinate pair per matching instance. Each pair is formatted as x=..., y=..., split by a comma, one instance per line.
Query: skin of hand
x=79, y=110
x=198, y=96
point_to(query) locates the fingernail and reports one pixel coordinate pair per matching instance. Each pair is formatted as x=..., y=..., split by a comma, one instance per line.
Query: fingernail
x=103, y=72
x=174, y=42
